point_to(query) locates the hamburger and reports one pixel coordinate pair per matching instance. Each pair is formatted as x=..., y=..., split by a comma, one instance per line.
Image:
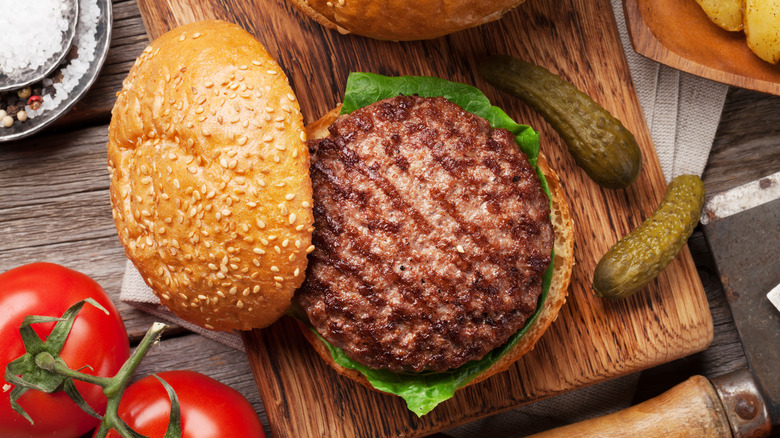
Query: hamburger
x=402, y=20
x=419, y=237
x=444, y=243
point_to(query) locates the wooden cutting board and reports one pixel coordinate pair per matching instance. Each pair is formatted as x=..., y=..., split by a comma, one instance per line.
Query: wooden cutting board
x=593, y=340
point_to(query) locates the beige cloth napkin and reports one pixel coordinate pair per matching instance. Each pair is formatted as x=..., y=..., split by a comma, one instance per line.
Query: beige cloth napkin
x=682, y=112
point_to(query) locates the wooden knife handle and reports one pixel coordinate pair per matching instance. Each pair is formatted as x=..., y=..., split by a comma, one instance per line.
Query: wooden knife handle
x=690, y=409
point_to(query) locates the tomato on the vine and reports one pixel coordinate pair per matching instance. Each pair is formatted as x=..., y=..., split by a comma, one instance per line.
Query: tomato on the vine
x=97, y=342
x=209, y=409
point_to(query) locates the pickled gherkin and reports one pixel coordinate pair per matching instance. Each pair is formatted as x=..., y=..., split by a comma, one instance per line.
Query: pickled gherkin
x=641, y=255
x=599, y=143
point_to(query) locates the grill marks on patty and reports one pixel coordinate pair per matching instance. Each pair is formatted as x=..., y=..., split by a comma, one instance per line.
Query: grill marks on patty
x=432, y=234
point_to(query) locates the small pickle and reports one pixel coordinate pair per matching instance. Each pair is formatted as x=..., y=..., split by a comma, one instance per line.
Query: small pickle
x=599, y=143
x=641, y=255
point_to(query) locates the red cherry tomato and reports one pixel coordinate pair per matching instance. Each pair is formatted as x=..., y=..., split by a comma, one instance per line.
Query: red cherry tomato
x=209, y=409
x=97, y=340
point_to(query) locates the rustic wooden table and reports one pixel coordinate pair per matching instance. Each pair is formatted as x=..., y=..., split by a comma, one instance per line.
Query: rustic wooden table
x=54, y=206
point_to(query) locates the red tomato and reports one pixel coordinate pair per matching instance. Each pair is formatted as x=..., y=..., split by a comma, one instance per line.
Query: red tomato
x=209, y=409
x=97, y=340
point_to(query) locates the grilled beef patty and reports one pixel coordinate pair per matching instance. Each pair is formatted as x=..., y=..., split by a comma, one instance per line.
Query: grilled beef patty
x=432, y=234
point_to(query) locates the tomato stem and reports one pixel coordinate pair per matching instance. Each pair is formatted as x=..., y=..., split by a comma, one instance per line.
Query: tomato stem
x=116, y=385
x=46, y=361
x=42, y=369
x=123, y=376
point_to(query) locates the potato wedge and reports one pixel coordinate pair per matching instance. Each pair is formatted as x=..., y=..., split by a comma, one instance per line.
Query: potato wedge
x=725, y=13
x=762, y=27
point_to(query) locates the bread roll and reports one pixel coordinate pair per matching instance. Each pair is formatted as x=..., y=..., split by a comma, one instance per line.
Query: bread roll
x=563, y=264
x=209, y=177
x=404, y=20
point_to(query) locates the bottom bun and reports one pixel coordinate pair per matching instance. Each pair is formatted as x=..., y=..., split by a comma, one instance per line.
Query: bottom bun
x=563, y=263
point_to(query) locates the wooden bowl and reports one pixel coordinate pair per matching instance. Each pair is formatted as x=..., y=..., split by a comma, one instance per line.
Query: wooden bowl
x=679, y=34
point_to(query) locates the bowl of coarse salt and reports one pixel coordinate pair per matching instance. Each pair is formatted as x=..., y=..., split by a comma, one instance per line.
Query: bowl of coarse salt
x=31, y=107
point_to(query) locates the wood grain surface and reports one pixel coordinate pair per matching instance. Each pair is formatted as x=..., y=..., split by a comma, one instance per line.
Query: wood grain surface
x=593, y=340
x=679, y=34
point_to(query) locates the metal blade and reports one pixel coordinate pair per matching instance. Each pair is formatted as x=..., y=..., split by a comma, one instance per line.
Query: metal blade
x=745, y=243
x=774, y=297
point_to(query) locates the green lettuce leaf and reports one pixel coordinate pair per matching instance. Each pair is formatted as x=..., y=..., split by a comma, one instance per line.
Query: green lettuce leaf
x=424, y=391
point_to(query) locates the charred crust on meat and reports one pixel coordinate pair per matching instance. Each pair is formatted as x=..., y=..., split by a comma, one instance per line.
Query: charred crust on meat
x=432, y=234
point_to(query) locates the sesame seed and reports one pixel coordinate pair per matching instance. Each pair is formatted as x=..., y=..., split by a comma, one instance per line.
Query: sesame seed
x=221, y=294
x=299, y=227
x=205, y=133
x=292, y=257
x=208, y=84
x=292, y=218
x=264, y=242
x=297, y=272
x=272, y=237
x=256, y=62
x=256, y=289
x=256, y=262
x=309, y=249
x=271, y=72
x=260, y=224
x=305, y=204
x=184, y=297
x=277, y=278
x=274, y=269
x=277, y=159
x=277, y=249
x=203, y=297
x=291, y=96
x=252, y=204
x=280, y=147
x=258, y=251
x=245, y=292
x=233, y=290
x=240, y=304
x=289, y=196
x=182, y=37
x=460, y=249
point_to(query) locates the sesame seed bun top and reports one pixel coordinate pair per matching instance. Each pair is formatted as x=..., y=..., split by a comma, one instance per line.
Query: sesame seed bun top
x=209, y=177
x=404, y=20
